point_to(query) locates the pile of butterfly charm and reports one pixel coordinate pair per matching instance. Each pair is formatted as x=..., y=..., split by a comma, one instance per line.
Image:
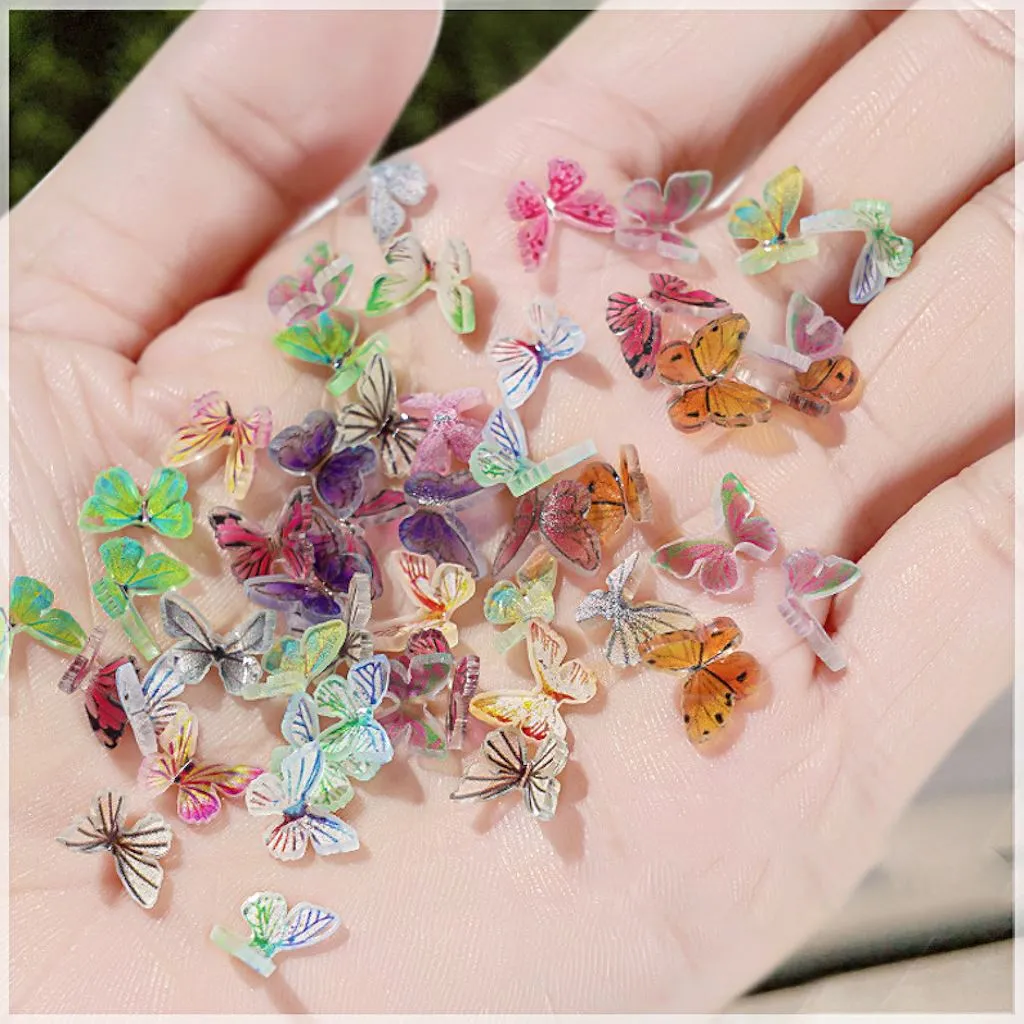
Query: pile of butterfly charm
x=421, y=461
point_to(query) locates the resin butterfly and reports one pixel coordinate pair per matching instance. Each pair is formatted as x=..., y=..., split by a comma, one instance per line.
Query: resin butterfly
x=96, y=680
x=517, y=603
x=130, y=573
x=537, y=713
x=632, y=623
x=341, y=551
x=198, y=648
x=376, y=419
x=464, y=685
x=449, y=431
x=254, y=551
x=214, y=425
x=393, y=186
x=289, y=795
x=637, y=321
x=416, y=679
x=136, y=849
x=536, y=211
x=149, y=705
x=616, y=495
x=413, y=272
x=320, y=283
x=437, y=591
x=329, y=339
x=767, y=224
x=502, y=457
x=653, y=214
x=292, y=663
x=274, y=928
x=521, y=363
x=885, y=254
x=559, y=518
x=701, y=368
x=505, y=763
x=433, y=527
x=713, y=561
x=812, y=577
x=32, y=612
x=715, y=674
x=117, y=502
x=200, y=786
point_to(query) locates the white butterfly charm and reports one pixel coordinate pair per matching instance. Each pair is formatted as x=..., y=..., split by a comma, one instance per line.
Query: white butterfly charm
x=149, y=705
x=392, y=187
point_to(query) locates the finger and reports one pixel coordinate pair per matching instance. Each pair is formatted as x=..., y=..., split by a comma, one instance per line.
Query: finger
x=236, y=125
x=881, y=128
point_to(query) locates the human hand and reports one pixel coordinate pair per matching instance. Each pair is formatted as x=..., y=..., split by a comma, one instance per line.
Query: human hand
x=669, y=879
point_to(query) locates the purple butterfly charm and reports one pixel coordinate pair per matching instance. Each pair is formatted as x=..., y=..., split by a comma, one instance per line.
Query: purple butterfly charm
x=308, y=600
x=433, y=528
x=307, y=449
x=340, y=550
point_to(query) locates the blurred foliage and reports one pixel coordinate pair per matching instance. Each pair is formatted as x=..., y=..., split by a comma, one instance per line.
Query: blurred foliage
x=68, y=66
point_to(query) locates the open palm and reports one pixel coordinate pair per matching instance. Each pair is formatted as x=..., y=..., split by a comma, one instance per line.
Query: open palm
x=670, y=878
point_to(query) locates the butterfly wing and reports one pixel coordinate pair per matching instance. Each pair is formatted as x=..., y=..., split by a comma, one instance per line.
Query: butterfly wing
x=559, y=336
x=391, y=187
x=502, y=452
x=250, y=550
x=246, y=436
x=541, y=787
x=562, y=522
x=408, y=277
x=201, y=787
x=868, y=277
x=752, y=535
x=525, y=518
x=635, y=489
x=638, y=328
x=136, y=858
x=240, y=668
x=339, y=480
x=711, y=558
x=306, y=925
x=442, y=535
x=166, y=510
x=115, y=503
x=812, y=576
x=668, y=290
x=685, y=193
x=31, y=610
x=567, y=682
x=607, y=510
x=520, y=366
x=454, y=296
x=534, y=714
x=525, y=205
x=463, y=689
x=102, y=706
x=211, y=425
x=500, y=767
x=589, y=209
x=809, y=331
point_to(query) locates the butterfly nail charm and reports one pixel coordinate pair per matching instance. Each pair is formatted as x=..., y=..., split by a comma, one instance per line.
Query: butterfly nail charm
x=200, y=785
x=328, y=339
x=713, y=561
x=149, y=705
x=292, y=663
x=254, y=551
x=136, y=849
x=393, y=186
x=812, y=577
x=715, y=674
x=413, y=272
x=502, y=456
x=813, y=345
x=117, y=502
x=437, y=591
x=536, y=211
x=433, y=527
x=631, y=623
x=767, y=224
x=521, y=363
x=417, y=678
x=518, y=603
x=885, y=254
x=214, y=425
x=505, y=763
x=274, y=928
x=637, y=320
x=320, y=284
x=375, y=419
x=130, y=573
x=301, y=824
x=700, y=368
x=536, y=713
x=32, y=612
x=559, y=518
x=93, y=677
x=653, y=214
x=616, y=495
x=449, y=431
x=198, y=648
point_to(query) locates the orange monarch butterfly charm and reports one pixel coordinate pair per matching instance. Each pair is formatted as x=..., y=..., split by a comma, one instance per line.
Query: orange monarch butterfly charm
x=701, y=367
x=615, y=495
x=715, y=673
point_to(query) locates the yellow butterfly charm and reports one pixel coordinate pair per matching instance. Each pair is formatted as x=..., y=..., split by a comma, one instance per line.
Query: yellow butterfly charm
x=517, y=604
x=768, y=223
x=536, y=713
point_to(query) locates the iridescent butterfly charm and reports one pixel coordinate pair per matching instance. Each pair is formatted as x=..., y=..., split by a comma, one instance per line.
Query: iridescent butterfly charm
x=653, y=214
x=530, y=597
x=320, y=284
x=117, y=503
x=391, y=187
x=32, y=612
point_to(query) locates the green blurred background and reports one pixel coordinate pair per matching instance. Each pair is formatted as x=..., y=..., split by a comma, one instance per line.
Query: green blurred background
x=68, y=66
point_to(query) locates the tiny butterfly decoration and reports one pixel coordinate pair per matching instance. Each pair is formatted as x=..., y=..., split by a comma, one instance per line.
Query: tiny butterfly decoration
x=433, y=526
x=95, y=678
x=32, y=612
x=391, y=188
x=616, y=495
x=450, y=431
x=517, y=603
x=653, y=214
x=321, y=283
x=713, y=561
x=117, y=503
x=150, y=704
x=536, y=211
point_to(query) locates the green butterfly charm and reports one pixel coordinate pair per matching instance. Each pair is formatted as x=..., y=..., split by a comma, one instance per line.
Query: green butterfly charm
x=329, y=339
x=117, y=502
x=32, y=612
x=130, y=571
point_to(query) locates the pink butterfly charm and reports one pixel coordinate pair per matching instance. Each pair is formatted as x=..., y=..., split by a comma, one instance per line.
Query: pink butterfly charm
x=416, y=679
x=320, y=284
x=449, y=431
x=811, y=577
x=652, y=214
x=810, y=336
x=714, y=561
x=536, y=210
x=636, y=321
